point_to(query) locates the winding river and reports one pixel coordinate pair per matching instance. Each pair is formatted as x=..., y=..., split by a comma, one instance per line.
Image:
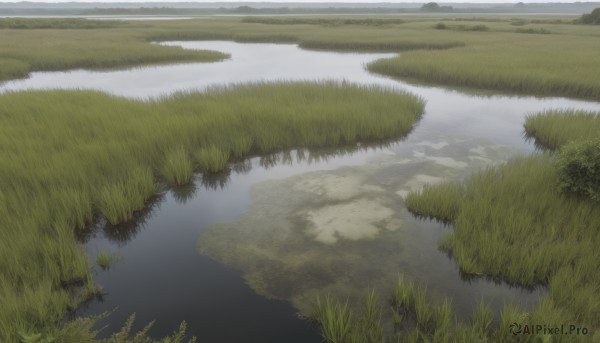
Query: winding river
x=238, y=254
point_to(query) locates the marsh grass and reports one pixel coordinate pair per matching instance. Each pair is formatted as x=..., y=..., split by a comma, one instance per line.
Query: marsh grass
x=538, y=31
x=13, y=69
x=443, y=316
x=403, y=295
x=423, y=311
x=478, y=27
x=334, y=318
x=79, y=331
x=95, y=44
x=424, y=322
x=339, y=323
x=213, y=159
x=178, y=168
x=514, y=224
x=441, y=201
x=80, y=43
x=375, y=44
x=323, y=21
x=548, y=64
x=118, y=202
x=69, y=154
x=482, y=319
x=555, y=128
x=539, y=64
x=54, y=23
x=106, y=260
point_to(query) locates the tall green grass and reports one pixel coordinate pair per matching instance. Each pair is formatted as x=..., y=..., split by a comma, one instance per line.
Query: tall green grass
x=541, y=65
x=441, y=201
x=13, y=69
x=56, y=23
x=513, y=224
x=65, y=155
x=105, y=259
x=376, y=44
x=118, y=202
x=178, y=167
x=339, y=323
x=335, y=319
x=81, y=330
x=424, y=321
x=80, y=43
x=322, y=21
x=555, y=128
x=213, y=159
x=62, y=44
x=563, y=64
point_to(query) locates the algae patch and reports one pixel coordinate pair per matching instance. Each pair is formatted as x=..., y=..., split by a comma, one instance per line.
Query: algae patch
x=345, y=230
x=354, y=220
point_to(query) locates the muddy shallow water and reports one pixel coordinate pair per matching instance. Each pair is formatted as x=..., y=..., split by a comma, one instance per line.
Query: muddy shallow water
x=236, y=255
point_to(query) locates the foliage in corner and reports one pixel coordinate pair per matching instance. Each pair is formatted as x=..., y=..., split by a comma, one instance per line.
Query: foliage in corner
x=579, y=168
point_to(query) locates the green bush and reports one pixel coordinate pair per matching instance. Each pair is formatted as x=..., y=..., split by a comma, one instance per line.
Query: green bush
x=579, y=165
x=590, y=18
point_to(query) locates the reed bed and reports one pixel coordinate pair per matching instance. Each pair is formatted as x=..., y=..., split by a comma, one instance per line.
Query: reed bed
x=106, y=260
x=422, y=319
x=380, y=45
x=541, y=65
x=514, y=224
x=441, y=201
x=79, y=43
x=323, y=21
x=178, y=167
x=340, y=323
x=213, y=159
x=54, y=23
x=562, y=64
x=66, y=155
x=553, y=129
x=119, y=201
x=13, y=69
x=91, y=44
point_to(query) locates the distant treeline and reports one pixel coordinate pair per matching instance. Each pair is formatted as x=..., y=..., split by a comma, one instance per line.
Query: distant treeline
x=222, y=9
x=590, y=18
x=328, y=21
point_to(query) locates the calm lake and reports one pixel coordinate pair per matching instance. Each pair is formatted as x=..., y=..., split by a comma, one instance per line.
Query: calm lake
x=237, y=255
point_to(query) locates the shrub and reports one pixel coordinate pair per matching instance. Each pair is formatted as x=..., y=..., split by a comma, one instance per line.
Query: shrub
x=590, y=18
x=440, y=26
x=579, y=166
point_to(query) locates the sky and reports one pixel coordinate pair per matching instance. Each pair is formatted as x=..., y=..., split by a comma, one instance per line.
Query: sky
x=313, y=1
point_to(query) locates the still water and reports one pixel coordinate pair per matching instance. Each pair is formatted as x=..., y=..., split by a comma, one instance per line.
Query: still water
x=238, y=254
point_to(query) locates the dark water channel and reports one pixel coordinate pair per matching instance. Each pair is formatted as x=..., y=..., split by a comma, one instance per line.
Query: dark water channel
x=237, y=255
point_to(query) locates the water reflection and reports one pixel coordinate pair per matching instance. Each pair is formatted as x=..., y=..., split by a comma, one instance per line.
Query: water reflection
x=184, y=193
x=245, y=212
x=345, y=230
x=539, y=146
x=218, y=181
x=120, y=234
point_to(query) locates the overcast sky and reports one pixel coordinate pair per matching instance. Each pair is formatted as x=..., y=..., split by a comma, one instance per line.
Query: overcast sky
x=313, y=1
x=309, y=1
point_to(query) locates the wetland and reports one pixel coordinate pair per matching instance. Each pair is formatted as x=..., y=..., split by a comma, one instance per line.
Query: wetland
x=234, y=193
